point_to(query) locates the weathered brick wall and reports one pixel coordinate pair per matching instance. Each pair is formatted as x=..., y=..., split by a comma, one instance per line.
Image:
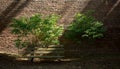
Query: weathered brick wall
x=107, y=11
x=15, y=8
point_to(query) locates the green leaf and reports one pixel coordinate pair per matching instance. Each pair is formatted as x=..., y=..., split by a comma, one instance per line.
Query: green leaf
x=85, y=25
x=42, y=31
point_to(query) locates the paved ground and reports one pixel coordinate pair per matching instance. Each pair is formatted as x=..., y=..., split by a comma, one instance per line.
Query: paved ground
x=10, y=63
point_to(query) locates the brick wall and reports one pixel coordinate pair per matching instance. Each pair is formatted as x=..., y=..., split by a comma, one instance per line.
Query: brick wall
x=105, y=10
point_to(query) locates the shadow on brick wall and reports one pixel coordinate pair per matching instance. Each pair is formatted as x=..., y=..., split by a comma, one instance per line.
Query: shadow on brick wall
x=67, y=11
x=11, y=11
x=107, y=11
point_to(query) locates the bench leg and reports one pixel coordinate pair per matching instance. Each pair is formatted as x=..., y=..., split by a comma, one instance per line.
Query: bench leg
x=32, y=59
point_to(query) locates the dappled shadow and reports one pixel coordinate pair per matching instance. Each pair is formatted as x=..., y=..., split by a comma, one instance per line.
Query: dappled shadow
x=37, y=53
x=68, y=11
x=101, y=49
x=107, y=11
x=9, y=62
x=29, y=50
x=11, y=11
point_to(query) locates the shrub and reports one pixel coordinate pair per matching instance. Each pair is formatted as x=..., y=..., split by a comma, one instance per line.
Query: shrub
x=85, y=26
x=37, y=31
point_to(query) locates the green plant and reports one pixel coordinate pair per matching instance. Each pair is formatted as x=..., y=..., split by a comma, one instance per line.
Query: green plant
x=37, y=31
x=85, y=26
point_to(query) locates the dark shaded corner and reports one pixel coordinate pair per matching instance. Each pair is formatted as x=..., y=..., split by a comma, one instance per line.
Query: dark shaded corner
x=11, y=11
x=107, y=11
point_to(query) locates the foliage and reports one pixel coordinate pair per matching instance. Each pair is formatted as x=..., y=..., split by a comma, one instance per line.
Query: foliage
x=85, y=26
x=37, y=31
